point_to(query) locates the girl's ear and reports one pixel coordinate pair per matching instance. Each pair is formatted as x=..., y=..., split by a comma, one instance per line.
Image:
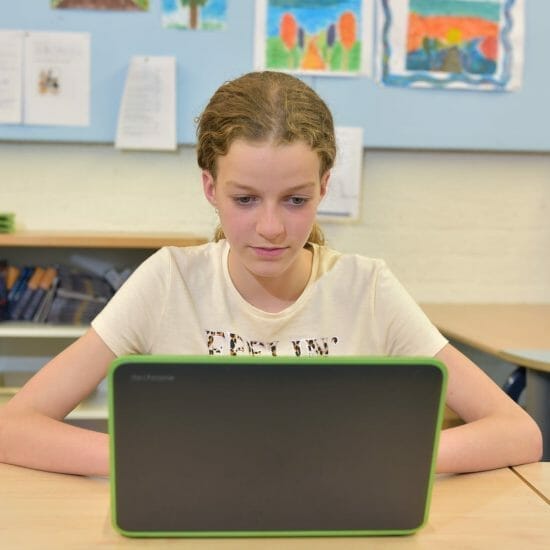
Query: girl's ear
x=209, y=187
x=324, y=183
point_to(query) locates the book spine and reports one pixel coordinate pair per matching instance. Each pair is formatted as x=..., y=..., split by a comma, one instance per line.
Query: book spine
x=43, y=310
x=12, y=274
x=18, y=288
x=27, y=294
x=3, y=290
x=45, y=284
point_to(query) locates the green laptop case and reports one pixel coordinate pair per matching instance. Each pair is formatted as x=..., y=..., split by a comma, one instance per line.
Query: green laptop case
x=210, y=446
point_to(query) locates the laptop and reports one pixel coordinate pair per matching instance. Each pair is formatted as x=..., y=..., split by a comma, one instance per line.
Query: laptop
x=216, y=446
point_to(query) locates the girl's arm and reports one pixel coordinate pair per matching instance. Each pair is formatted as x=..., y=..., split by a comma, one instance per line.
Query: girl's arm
x=497, y=432
x=32, y=431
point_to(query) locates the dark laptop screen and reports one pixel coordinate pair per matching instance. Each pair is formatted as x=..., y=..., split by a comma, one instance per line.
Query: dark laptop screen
x=286, y=445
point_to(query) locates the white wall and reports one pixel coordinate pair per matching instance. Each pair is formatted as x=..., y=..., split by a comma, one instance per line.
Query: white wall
x=453, y=226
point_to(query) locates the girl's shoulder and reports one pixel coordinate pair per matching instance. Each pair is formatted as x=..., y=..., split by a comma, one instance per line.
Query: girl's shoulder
x=330, y=260
x=170, y=259
x=197, y=254
x=194, y=263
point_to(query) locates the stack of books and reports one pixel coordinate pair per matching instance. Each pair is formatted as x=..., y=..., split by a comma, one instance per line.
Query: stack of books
x=58, y=294
x=25, y=291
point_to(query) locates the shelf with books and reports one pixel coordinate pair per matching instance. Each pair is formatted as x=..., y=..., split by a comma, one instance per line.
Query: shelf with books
x=74, y=298
x=25, y=346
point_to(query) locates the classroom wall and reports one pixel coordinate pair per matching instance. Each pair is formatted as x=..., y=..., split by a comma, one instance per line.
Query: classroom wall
x=393, y=116
x=453, y=226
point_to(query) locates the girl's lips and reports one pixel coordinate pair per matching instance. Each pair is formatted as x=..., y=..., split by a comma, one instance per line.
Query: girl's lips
x=268, y=252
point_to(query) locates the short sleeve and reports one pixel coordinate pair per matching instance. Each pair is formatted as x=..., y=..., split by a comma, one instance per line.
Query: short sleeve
x=403, y=328
x=130, y=320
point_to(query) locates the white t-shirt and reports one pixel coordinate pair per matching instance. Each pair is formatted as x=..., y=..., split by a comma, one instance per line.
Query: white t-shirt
x=182, y=301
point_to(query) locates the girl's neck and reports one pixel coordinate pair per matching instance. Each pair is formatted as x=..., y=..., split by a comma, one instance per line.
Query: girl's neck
x=274, y=294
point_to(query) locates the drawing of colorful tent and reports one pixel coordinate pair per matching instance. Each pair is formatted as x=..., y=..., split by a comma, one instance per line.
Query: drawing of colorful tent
x=313, y=35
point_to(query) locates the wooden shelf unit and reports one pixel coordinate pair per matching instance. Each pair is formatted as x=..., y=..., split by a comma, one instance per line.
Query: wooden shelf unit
x=97, y=240
x=118, y=242
x=27, y=329
x=15, y=336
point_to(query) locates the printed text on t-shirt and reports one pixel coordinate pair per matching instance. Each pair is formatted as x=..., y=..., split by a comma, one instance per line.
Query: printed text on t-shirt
x=228, y=343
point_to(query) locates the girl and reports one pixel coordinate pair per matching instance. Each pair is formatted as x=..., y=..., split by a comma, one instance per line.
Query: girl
x=266, y=285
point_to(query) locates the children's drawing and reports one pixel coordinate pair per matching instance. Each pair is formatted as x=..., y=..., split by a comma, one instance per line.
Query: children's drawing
x=48, y=82
x=474, y=44
x=310, y=36
x=194, y=14
x=118, y=5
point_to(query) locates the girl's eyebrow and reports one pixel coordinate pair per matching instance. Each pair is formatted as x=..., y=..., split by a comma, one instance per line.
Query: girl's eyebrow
x=295, y=189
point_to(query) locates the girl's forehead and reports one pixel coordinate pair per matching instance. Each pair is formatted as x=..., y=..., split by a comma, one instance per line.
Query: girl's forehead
x=259, y=157
x=249, y=151
x=269, y=166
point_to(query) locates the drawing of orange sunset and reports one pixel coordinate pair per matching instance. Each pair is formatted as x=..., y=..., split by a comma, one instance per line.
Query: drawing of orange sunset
x=463, y=38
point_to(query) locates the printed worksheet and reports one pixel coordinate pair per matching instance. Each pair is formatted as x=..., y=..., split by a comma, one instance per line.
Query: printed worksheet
x=57, y=78
x=147, y=114
x=343, y=197
x=11, y=75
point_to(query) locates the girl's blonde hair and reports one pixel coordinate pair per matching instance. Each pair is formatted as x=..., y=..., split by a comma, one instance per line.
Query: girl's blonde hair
x=265, y=106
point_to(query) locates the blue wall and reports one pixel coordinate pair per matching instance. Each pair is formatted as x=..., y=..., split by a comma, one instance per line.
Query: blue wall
x=391, y=117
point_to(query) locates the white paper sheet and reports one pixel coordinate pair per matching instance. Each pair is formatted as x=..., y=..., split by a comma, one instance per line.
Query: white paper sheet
x=343, y=196
x=11, y=76
x=147, y=115
x=57, y=78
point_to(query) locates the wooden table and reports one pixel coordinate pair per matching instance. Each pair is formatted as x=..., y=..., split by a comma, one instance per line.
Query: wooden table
x=516, y=333
x=537, y=476
x=502, y=330
x=495, y=509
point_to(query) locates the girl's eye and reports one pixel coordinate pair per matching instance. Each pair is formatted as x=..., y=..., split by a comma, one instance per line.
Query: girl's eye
x=244, y=200
x=297, y=201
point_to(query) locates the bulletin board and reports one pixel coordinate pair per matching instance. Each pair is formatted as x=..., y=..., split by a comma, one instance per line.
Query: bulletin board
x=391, y=117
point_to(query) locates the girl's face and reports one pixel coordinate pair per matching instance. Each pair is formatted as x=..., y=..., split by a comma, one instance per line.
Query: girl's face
x=267, y=197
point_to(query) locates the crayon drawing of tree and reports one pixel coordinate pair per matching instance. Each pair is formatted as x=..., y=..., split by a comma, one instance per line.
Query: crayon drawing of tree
x=347, y=31
x=194, y=14
x=194, y=8
x=289, y=30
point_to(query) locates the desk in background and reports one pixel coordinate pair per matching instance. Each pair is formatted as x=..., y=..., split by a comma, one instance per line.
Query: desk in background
x=496, y=509
x=515, y=333
x=537, y=475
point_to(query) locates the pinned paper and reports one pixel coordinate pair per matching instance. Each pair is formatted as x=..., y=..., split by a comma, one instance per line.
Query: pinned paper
x=57, y=78
x=343, y=196
x=147, y=115
x=11, y=71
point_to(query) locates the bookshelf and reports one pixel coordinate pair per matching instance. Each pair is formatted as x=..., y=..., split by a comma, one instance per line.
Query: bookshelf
x=41, y=247
x=25, y=346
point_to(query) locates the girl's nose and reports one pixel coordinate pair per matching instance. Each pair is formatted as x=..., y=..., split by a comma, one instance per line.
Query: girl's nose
x=269, y=224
